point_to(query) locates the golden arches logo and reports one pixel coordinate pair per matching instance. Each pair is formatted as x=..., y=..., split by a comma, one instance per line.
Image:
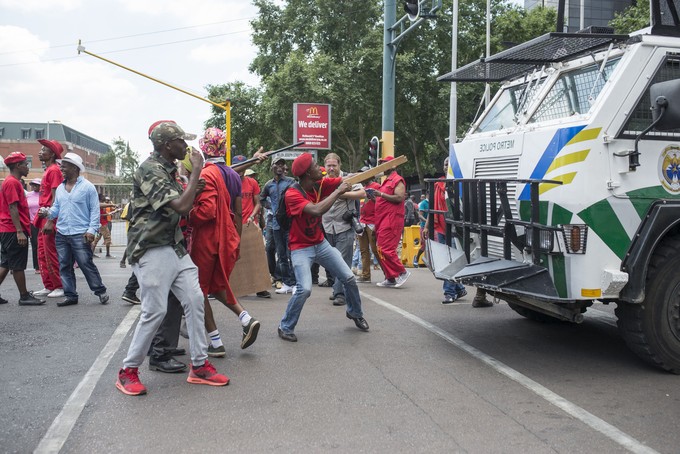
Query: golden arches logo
x=313, y=111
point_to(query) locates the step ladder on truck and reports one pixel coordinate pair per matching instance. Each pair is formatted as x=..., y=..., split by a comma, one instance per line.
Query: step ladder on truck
x=566, y=189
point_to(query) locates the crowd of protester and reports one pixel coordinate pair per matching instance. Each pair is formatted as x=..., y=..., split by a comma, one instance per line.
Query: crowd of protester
x=188, y=219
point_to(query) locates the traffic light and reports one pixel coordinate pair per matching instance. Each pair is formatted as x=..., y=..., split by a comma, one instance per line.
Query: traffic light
x=373, y=152
x=412, y=9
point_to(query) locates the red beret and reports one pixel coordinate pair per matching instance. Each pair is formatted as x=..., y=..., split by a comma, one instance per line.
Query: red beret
x=53, y=145
x=15, y=157
x=301, y=164
x=386, y=159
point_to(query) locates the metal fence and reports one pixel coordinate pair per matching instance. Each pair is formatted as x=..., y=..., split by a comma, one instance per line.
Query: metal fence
x=120, y=194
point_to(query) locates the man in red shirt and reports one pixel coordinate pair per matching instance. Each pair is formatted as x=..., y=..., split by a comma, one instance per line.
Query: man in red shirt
x=367, y=238
x=305, y=203
x=452, y=290
x=47, y=247
x=15, y=228
x=389, y=215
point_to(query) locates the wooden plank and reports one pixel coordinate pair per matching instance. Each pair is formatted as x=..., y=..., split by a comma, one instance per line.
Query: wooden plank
x=250, y=274
x=372, y=172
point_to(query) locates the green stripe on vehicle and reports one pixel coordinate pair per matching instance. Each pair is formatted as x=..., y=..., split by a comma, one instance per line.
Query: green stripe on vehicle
x=643, y=198
x=560, y=216
x=602, y=220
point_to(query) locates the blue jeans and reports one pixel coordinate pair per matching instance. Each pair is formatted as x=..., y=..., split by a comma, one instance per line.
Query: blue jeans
x=450, y=288
x=331, y=259
x=343, y=242
x=74, y=247
x=283, y=256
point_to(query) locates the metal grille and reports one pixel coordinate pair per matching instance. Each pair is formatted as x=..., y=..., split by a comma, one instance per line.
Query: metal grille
x=573, y=93
x=507, y=168
x=641, y=117
x=555, y=47
x=480, y=71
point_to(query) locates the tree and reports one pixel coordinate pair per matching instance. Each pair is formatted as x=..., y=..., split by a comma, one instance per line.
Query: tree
x=120, y=157
x=633, y=18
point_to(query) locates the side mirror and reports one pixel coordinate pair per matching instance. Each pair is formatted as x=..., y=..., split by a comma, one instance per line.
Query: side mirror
x=665, y=100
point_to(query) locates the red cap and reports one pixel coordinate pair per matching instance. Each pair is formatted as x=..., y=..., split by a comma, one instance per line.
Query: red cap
x=53, y=145
x=386, y=159
x=301, y=164
x=14, y=158
x=156, y=123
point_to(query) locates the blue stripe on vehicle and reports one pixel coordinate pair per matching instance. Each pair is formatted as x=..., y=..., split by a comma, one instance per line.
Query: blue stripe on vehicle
x=559, y=140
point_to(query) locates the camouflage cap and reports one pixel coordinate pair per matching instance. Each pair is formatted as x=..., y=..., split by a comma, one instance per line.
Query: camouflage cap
x=167, y=131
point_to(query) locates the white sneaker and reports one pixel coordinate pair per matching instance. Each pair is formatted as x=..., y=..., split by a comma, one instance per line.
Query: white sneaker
x=386, y=283
x=43, y=292
x=403, y=277
x=56, y=293
x=284, y=289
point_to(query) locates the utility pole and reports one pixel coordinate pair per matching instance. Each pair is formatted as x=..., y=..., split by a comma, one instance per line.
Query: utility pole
x=395, y=31
x=226, y=106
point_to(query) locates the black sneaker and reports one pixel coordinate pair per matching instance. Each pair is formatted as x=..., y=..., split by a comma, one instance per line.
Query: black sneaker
x=27, y=300
x=361, y=323
x=130, y=298
x=67, y=302
x=339, y=300
x=250, y=333
x=263, y=294
x=3, y=300
x=290, y=337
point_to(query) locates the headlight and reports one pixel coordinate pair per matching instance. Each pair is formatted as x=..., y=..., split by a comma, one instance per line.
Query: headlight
x=545, y=239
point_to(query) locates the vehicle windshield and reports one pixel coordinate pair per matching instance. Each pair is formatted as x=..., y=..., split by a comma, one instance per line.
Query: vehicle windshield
x=504, y=112
x=574, y=92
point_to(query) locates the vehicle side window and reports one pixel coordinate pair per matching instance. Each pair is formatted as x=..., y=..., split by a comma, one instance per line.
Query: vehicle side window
x=642, y=114
x=574, y=93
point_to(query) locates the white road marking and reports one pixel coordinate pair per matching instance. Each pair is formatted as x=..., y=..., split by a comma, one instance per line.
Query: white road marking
x=62, y=425
x=560, y=402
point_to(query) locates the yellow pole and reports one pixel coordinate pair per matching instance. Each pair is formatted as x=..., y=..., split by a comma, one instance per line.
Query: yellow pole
x=226, y=106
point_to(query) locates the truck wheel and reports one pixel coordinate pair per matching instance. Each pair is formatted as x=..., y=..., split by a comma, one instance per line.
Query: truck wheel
x=652, y=329
x=533, y=315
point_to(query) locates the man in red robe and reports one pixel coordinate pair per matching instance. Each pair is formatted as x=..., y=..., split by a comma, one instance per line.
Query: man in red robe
x=215, y=239
x=389, y=225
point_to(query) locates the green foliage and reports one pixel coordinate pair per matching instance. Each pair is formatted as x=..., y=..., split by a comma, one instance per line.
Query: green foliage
x=331, y=51
x=633, y=18
x=119, y=157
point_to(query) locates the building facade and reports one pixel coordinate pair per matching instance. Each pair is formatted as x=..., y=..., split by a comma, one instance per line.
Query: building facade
x=23, y=137
x=595, y=12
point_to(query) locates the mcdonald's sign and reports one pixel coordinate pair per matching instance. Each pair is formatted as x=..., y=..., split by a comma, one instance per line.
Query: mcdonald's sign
x=312, y=124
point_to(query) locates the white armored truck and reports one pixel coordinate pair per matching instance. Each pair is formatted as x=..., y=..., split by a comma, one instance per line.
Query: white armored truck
x=566, y=189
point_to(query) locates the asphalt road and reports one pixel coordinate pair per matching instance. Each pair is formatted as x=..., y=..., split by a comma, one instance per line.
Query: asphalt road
x=426, y=378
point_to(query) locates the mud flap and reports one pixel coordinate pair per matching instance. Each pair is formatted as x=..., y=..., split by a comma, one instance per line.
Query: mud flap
x=508, y=276
x=445, y=261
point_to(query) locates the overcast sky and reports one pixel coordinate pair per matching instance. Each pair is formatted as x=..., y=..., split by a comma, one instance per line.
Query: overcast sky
x=188, y=44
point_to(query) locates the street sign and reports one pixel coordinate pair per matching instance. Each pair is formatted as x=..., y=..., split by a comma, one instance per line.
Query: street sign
x=290, y=155
x=312, y=124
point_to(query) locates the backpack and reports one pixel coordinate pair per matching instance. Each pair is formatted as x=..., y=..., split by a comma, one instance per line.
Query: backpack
x=282, y=217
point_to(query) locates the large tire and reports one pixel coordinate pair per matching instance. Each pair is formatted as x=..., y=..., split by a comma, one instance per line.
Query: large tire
x=533, y=315
x=652, y=329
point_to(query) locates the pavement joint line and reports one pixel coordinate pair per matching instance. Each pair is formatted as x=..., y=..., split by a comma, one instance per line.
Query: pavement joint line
x=63, y=424
x=579, y=413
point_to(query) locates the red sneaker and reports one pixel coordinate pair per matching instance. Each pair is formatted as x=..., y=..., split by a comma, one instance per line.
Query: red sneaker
x=206, y=375
x=128, y=382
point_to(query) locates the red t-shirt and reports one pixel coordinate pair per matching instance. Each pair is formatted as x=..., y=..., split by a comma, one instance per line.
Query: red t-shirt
x=305, y=229
x=103, y=216
x=50, y=180
x=12, y=191
x=368, y=208
x=249, y=190
x=440, y=204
